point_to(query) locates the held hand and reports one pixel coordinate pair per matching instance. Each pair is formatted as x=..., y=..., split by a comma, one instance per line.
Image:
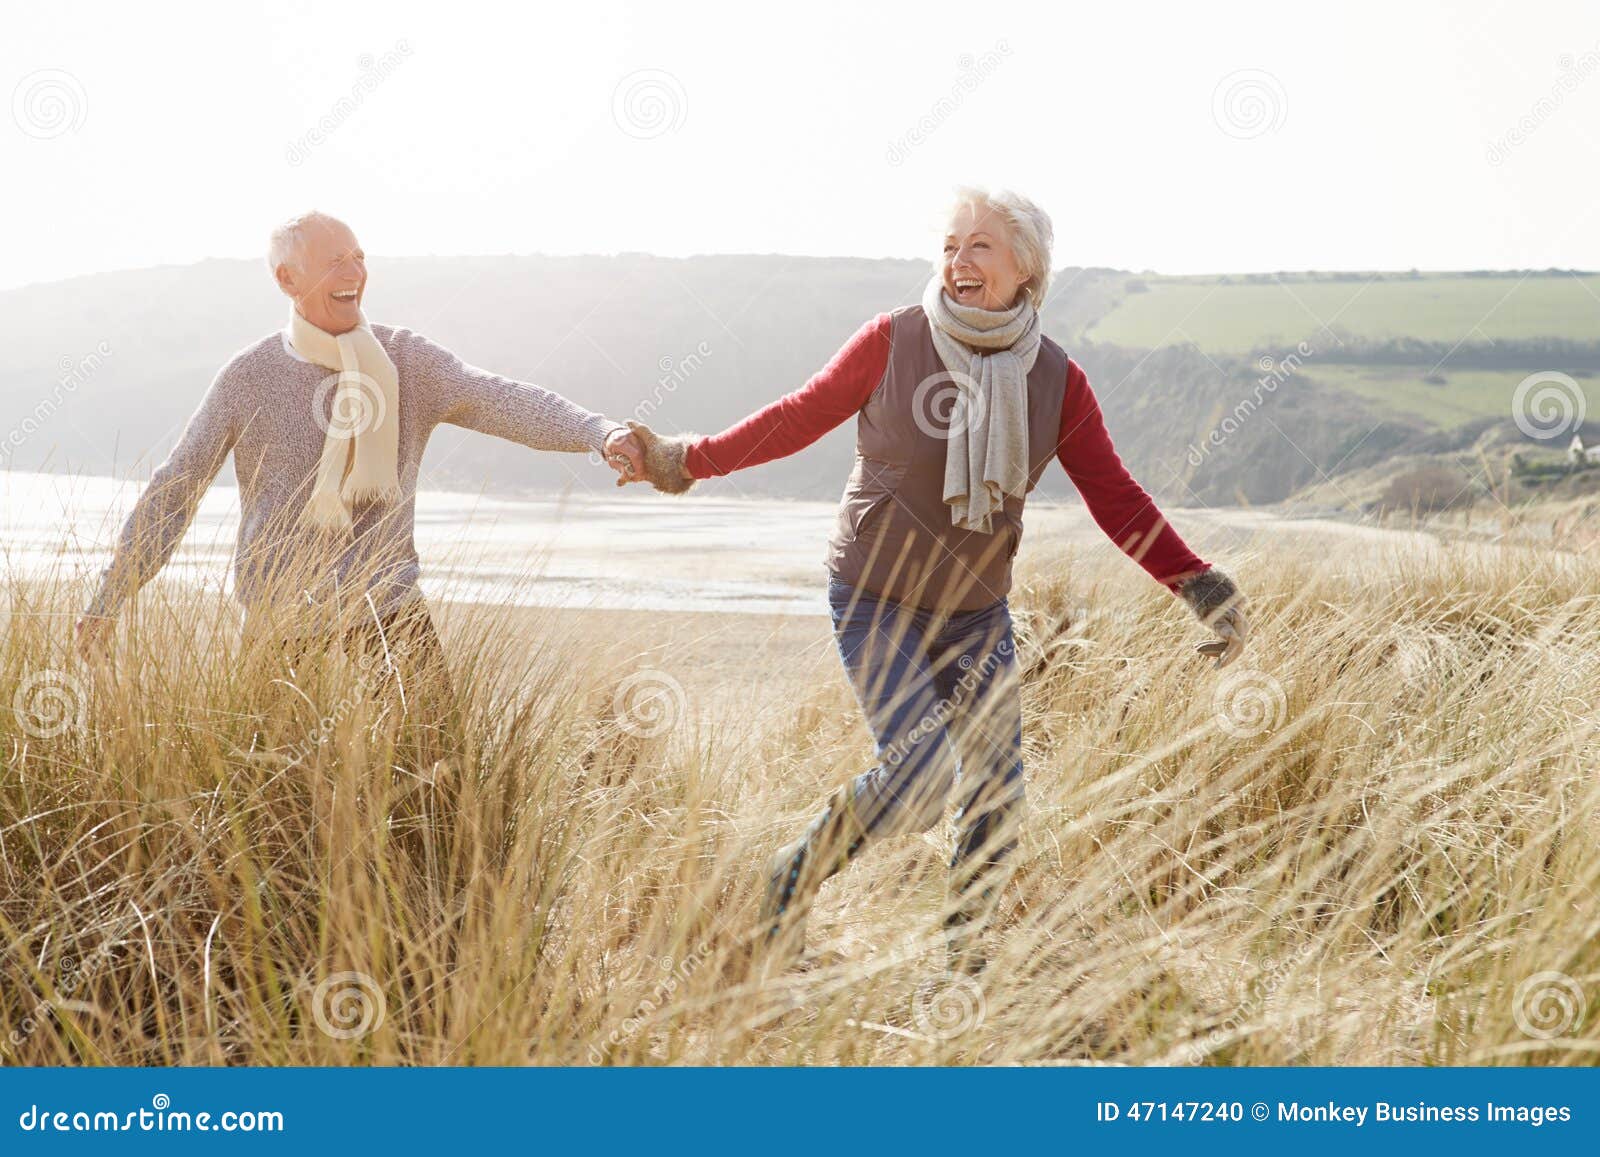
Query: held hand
x=665, y=459
x=626, y=456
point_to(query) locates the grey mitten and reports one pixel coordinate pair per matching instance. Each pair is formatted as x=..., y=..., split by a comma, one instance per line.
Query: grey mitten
x=1217, y=603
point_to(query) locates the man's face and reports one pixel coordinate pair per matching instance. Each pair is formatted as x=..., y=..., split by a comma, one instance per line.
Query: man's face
x=327, y=277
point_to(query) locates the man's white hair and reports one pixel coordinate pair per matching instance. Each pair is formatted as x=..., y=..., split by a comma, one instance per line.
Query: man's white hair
x=284, y=246
x=1032, y=234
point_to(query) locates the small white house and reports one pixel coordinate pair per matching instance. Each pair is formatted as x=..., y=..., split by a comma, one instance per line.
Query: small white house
x=1578, y=454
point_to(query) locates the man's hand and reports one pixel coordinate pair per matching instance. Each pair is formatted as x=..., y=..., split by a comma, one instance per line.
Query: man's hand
x=94, y=637
x=626, y=456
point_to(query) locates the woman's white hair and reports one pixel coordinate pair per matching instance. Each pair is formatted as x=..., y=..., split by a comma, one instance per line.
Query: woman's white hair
x=284, y=245
x=1032, y=234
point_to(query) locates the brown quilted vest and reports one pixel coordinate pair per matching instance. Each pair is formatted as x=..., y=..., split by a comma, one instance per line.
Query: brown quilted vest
x=894, y=538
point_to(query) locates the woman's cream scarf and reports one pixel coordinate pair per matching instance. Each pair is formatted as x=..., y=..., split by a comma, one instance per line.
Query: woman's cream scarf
x=361, y=454
x=988, y=353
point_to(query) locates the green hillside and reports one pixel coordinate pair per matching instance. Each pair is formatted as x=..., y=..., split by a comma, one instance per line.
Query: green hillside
x=1410, y=371
x=1445, y=399
x=1240, y=313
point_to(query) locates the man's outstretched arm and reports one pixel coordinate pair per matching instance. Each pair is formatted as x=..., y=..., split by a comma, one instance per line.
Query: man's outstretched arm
x=538, y=418
x=165, y=509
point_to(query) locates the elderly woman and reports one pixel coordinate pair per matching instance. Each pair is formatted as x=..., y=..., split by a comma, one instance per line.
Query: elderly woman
x=960, y=403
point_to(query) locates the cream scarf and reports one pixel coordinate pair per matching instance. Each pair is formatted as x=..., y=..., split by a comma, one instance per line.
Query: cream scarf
x=989, y=354
x=361, y=454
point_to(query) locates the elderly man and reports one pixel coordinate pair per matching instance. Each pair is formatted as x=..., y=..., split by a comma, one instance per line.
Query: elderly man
x=327, y=420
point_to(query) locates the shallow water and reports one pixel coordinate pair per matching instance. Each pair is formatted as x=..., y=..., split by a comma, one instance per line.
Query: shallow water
x=638, y=552
x=635, y=551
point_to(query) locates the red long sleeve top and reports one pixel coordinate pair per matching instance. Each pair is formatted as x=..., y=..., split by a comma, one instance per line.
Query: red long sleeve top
x=1116, y=501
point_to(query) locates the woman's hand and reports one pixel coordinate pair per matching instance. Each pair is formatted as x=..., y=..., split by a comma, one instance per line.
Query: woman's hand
x=663, y=459
x=1218, y=604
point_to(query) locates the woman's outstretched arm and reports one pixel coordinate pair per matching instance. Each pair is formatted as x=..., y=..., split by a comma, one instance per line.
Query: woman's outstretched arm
x=1116, y=501
x=794, y=421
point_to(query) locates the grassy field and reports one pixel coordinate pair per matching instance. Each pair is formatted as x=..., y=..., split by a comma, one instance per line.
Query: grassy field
x=1373, y=841
x=1464, y=395
x=1238, y=316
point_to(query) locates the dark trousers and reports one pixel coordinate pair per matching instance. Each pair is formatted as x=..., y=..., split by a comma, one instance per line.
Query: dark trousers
x=941, y=695
x=404, y=678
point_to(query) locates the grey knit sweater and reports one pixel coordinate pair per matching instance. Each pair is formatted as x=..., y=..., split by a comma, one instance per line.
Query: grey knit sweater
x=260, y=407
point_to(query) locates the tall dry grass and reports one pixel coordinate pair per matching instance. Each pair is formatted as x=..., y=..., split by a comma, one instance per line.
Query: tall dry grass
x=1372, y=842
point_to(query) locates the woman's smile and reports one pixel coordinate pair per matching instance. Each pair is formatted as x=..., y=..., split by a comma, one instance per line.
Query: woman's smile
x=967, y=290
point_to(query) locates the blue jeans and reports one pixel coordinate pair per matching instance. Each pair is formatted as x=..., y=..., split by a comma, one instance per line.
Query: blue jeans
x=941, y=695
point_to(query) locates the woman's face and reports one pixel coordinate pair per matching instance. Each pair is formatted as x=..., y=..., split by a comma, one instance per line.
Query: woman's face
x=980, y=267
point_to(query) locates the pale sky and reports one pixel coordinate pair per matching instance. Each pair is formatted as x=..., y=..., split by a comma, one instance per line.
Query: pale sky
x=1177, y=137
